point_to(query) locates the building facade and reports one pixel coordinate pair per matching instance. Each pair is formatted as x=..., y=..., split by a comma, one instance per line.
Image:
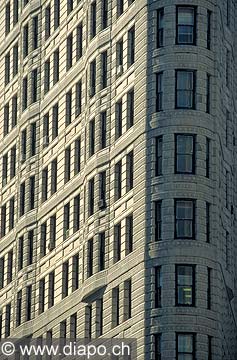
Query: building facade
x=118, y=174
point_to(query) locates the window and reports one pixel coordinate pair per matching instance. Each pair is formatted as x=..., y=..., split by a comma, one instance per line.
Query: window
x=103, y=120
x=22, y=199
x=115, y=306
x=47, y=22
x=185, y=285
x=158, y=286
x=66, y=220
x=130, y=170
x=51, y=289
x=28, y=302
x=120, y=7
x=67, y=165
x=91, y=200
x=56, y=14
x=208, y=94
x=130, y=109
x=65, y=278
x=78, y=98
x=25, y=40
x=208, y=206
x=73, y=326
x=158, y=220
x=92, y=137
x=46, y=130
x=9, y=266
x=90, y=258
x=46, y=76
x=8, y=320
x=15, y=59
x=41, y=296
x=23, y=146
x=44, y=184
x=56, y=66
x=35, y=30
x=129, y=234
x=104, y=14
x=11, y=213
x=208, y=142
x=102, y=190
x=118, y=180
x=186, y=25
x=157, y=345
x=75, y=272
x=43, y=232
x=55, y=122
x=209, y=34
x=20, y=252
x=14, y=111
x=33, y=139
x=4, y=169
x=119, y=55
x=227, y=188
x=184, y=219
x=69, y=52
x=119, y=119
x=159, y=92
x=2, y=272
x=209, y=273
x=54, y=171
x=79, y=42
x=68, y=119
x=88, y=321
x=69, y=6
x=117, y=242
x=209, y=347
x=34, y=87
x=127, y=299
x=160, y=28
x=185, y=346
x=131, y=46
x=52, y=233
x=185, y=154
x=77, y=156
x=104, y=69
x=185, y=89
x=3, y=220
x=13, y=162
x=101, y=251
x=30, y=247
x=32, y=193
x=6, y=120
x=100, y=316
x=7, y=18
x=228, y=12
x=24, y=93
x=76, y=213
x=158, y=161
x=18, y=307
x=62, y=332
x=92, y=78
x=93, y=19
x=227, y=76
x=7, y=68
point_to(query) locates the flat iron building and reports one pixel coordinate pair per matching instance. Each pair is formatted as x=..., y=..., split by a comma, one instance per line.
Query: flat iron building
x=118, y=173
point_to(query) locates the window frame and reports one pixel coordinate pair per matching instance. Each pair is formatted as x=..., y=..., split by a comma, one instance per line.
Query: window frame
x=159, y=29
x=192, y=285
x=193, y=90
x=176, y=200
x=193, y=155
x=194, y=26
x=193, y=344
x=159, y=91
